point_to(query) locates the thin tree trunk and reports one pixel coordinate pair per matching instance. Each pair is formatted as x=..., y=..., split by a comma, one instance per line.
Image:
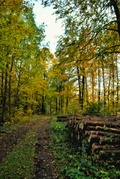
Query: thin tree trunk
x=118, y=92
x=104, y=87
x=16, y=103
x=99, y=85
x=86, y=98
x=93, y=95
x=109, y=88
x=56, y=104
x=2, y=93
x=9, y=89
x=43, y=110
x=79, y=85
x=67, y=100
x=83, y=87
x=4, y=105
x=117, y=13
x=60, y=89
x=113, y=89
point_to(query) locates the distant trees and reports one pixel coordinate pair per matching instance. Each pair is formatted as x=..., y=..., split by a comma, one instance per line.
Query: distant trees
x=90, y=49
x=86, y=67
x=19, y=51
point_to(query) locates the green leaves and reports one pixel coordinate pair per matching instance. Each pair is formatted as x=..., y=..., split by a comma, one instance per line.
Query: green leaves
x=20, y=46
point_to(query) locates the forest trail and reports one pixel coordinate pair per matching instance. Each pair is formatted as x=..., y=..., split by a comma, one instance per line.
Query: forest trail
x=44, y=164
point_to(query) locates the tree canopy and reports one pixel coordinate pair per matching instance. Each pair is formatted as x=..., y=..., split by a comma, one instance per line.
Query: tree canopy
x=84, y=69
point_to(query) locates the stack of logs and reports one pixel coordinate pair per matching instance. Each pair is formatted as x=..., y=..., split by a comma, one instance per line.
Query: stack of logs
x=62, y=118
x=101, y=133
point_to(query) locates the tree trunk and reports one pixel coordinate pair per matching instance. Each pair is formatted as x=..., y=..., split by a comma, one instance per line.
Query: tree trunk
x=83, y=87
x=117, y=13
x=113, y=88
x=79, y=84
x=4, y=105
x=86, y=98
x=99, y=84
x=93, y=95
x=117, y=72
x=104, y=87
x=56, y=105
x=1, y=97
x=43, y=109
x=109, y=84
x=9, y=88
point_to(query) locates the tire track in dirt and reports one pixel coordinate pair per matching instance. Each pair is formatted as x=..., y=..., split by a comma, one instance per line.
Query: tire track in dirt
x=44, y=164
x=43, y=161
x=11, y=139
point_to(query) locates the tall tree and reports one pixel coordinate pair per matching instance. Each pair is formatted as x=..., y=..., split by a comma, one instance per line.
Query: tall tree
x=98, y=12
x=20, y=42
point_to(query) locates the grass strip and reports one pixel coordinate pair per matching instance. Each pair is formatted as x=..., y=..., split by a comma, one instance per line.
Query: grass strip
x=19, y=163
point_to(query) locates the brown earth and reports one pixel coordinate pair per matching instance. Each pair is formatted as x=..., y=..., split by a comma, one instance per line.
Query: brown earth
x=44, y=164
x=44, y=161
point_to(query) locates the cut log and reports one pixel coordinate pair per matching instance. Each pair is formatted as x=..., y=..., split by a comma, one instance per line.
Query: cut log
x=102, y=135
x=102, y=123
x=96, y=147
x=113, y=154
x=93, y=138
x=62, y=118
x=113, y=130
x=109, y=140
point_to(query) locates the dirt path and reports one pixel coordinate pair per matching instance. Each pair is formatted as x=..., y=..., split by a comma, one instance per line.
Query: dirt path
x=10, y=139
x=44, y=165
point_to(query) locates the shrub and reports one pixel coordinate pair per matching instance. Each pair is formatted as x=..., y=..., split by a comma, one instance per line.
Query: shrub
x=94, y=109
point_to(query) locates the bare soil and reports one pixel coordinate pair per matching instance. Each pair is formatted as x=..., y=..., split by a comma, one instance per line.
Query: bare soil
x=44, y=164
x=9, y=139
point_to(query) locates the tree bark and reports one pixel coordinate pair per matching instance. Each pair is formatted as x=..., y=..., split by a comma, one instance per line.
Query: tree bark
x=104, y=87
x=4, y=105
x=99, y=85
x=1, y=97
x=117, y=13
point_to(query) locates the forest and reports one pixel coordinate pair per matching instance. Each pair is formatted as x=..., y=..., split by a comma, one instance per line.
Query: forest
x=60, y=113
x=83, y=72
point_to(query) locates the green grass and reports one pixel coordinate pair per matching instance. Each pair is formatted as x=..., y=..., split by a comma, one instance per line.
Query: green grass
x=72, y=162
x=15, y=123
x=19, y=163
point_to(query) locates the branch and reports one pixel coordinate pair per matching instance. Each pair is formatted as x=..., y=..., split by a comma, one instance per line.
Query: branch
x=104, y=51
x=111, y=29
x=112, y=52
x=117, y=13
x=118, y=45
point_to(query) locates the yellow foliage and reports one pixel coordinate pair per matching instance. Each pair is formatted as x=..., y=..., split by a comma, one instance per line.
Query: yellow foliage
x=32, y=101
x=63, y=77
x=29, y=112
x=54, y=61
x=63, y=93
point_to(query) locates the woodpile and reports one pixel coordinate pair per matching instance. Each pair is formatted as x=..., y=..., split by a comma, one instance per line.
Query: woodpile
x=62, y=118
x=101, y=133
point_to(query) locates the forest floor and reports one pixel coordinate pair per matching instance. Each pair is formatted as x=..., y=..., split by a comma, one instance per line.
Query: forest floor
x=39, y=147
x=43, y=161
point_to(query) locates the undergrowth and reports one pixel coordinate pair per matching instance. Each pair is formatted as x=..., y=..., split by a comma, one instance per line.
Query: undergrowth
x=73, y=162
